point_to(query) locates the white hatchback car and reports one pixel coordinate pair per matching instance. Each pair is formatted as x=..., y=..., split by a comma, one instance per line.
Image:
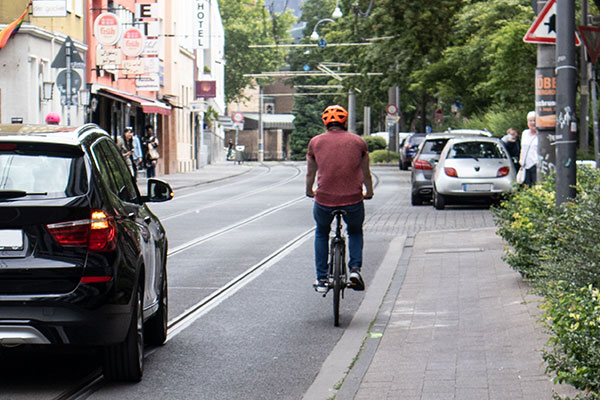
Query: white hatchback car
x=472, y=167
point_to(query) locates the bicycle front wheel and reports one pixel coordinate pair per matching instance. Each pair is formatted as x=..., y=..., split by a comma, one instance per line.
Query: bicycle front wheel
x=338, y=260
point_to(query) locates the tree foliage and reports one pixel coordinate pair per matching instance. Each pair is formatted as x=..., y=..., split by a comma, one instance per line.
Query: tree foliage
x=265, y=28
x=465, y=57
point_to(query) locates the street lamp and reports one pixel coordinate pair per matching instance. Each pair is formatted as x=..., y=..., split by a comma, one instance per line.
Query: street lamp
x=47, y=88
x=314, y=35
x=337, y=13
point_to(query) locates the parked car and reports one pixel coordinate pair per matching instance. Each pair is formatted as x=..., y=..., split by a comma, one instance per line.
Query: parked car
x=472, y=167
x=83, y=258
x=426, y=158
x=409, y=148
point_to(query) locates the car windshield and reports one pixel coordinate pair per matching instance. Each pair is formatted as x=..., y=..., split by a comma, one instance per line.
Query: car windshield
x=434, y=146
x=476, y=150
x=41, y=172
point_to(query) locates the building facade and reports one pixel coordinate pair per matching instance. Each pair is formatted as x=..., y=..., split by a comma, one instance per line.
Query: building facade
x=136, y=63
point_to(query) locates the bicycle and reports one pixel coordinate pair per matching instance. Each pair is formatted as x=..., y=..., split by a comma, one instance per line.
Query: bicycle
x=337, y=276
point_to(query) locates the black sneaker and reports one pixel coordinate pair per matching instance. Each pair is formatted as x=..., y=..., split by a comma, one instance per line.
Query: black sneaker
x=320, y=286
x=356, y=281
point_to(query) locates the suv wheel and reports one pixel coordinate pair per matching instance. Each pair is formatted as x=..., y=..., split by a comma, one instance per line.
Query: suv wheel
x=415, y=199
x=125, y=361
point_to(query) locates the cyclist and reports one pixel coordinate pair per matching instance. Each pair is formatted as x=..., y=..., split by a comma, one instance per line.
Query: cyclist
x=342, y=162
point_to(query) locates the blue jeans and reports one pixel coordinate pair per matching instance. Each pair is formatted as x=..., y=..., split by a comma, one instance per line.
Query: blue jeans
x=354, y=217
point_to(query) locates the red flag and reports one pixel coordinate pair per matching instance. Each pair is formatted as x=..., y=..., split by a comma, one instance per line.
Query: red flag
x=11, y=29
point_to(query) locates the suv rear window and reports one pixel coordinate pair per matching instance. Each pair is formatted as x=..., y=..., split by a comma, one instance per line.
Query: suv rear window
x=42, y=170
x=434, y=146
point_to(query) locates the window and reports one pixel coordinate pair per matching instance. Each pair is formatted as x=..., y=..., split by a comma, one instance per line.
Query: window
x=43, y=170
x=476, y=150
x=114, y=171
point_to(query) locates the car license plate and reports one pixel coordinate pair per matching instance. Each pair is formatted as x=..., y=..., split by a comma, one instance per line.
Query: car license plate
x=477, y=187
x=11, y=239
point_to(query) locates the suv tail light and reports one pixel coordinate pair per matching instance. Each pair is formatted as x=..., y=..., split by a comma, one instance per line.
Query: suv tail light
x=421, y=164
x=99, y=233
x=503, y=171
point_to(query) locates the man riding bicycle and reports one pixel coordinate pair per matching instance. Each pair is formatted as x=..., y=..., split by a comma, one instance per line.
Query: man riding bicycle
x=342, y=161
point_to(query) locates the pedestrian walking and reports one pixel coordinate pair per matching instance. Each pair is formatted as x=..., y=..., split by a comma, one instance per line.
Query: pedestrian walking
x=341, y=160
x=529, y=150
x=152, y=156
x=126, y=148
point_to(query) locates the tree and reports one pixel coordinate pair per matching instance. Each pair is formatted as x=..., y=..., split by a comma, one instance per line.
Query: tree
x=239, y=35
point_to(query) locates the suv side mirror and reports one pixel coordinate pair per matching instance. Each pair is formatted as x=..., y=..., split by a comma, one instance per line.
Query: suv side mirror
x=158, y=191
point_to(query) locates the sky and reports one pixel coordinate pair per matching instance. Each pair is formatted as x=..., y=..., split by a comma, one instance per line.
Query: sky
x=291, y=4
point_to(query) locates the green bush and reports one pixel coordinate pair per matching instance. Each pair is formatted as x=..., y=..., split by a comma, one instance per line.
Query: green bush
x=495, y=120
x=573, y=354
x=375, y=143
x=522, y=220
x=384, y=156
x=560, y=250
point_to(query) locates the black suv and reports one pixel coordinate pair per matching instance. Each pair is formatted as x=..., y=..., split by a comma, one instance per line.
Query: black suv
x=82, y=258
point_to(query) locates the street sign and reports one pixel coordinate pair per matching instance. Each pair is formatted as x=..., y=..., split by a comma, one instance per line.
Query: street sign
x=237, y=117
x=132, y=42
x=591, y=40
x=543, y=29
x=107, y=29
x=61, y=81
x=108, y=56
x=60, y=61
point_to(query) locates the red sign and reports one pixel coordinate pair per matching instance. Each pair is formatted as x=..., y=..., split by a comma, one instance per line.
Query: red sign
x=132, y=42
x=238, y=117
x=107, y=29
x=206, y=89
x=591, y=40
x=543, y=29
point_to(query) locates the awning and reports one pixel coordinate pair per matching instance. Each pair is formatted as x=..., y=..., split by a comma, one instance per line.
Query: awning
x=149, y=106
x=274, y=121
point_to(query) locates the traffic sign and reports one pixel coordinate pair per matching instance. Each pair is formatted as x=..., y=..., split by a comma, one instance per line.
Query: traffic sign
x=543, y=29
x=60, y=61
x=237, y=117
x=591, y=40
x=61, y=81
x=391, y=109
x=322, y=43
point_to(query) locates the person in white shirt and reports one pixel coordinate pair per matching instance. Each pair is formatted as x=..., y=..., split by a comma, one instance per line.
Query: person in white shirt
x=529, y=150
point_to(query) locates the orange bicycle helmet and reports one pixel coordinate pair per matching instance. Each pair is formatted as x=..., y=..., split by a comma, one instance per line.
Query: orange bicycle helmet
x=335, y=114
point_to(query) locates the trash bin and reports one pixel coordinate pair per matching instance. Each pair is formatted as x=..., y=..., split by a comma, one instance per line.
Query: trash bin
x=239, y=153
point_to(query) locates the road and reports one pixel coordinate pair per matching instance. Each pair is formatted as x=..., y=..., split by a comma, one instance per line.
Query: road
x=244, y=320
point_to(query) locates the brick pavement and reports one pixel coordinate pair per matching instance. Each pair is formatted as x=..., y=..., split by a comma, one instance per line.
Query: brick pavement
x=463, y=327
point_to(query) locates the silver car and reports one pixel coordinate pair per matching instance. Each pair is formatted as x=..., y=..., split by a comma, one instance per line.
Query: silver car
x=477, y=167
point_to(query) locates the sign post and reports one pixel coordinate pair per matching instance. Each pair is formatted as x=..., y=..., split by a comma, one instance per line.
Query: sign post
x=238, y=118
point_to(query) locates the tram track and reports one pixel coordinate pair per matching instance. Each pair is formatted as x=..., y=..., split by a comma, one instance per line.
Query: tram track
x=95, y=380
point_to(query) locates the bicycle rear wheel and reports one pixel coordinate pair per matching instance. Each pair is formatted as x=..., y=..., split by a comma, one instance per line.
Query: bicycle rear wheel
x=338, y=260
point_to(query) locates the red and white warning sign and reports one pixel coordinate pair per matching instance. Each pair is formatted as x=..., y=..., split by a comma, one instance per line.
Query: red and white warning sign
x=591, y=40
x=543, y=29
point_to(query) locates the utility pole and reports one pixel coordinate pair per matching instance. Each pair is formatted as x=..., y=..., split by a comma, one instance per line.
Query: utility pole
x=584, y=92
x=566, y=124
x=545, y=105
x=351, y=112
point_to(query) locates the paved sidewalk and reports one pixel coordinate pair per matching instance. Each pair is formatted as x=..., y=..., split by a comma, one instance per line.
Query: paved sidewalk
x=205, y=174
x=463, y=327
